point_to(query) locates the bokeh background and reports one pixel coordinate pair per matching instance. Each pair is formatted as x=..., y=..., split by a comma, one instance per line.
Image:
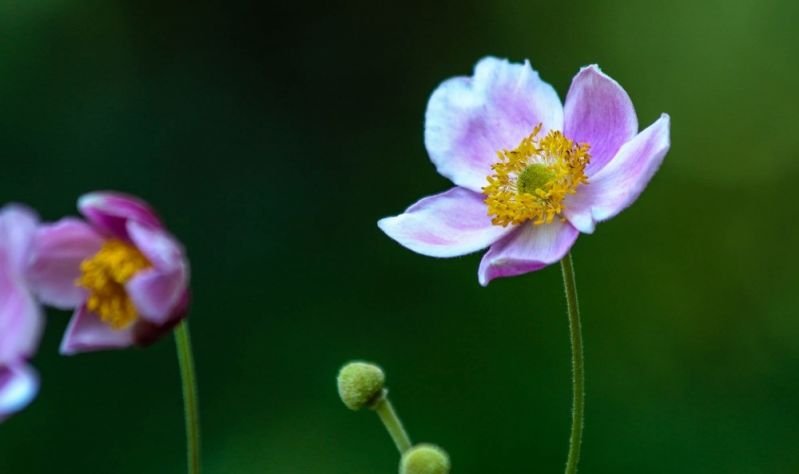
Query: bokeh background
x=271, y=137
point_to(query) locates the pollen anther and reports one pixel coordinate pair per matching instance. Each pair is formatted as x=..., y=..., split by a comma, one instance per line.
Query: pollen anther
x=105, y=274
x=530, y=182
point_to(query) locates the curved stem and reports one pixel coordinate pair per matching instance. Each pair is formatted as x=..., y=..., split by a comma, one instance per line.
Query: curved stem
x=392, y=423
x=190, y=408
x=578, y=374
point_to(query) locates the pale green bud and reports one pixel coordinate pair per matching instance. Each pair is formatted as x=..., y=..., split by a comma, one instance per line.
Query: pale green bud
x=360, y=384
x=424, y=459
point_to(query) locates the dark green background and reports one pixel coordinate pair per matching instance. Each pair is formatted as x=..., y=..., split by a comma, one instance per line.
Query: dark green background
x=272, y=137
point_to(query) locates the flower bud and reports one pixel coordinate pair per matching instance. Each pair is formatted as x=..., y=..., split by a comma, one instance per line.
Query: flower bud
x=360, y=384
x=425, y=459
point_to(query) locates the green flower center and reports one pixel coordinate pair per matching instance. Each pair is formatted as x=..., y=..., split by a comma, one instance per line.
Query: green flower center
x=534, y=177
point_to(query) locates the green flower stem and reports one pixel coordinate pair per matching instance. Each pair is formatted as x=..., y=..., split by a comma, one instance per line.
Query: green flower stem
x=392, y=423
x=578, y=374
x=190, y=408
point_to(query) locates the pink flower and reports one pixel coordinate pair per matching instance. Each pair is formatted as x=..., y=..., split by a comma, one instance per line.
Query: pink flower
x=124, y=274
x=21, y=319
x=530, y=174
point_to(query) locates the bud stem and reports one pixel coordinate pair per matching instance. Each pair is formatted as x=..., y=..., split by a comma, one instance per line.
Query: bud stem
x=392, y=423
x=578, y=374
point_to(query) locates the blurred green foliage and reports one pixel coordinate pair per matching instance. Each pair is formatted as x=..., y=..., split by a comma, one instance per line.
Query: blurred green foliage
x=273, y=136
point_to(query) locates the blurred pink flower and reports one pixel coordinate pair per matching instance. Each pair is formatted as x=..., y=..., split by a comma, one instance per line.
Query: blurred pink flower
x=21, y=319
x=124, y=274
x=530, y=174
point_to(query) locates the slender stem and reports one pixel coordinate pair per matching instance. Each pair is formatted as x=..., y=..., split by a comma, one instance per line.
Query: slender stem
x=190, y=408
x=578, y=374
x=392, y=423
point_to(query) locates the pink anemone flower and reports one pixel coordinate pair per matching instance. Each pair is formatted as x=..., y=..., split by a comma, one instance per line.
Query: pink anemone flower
x=530, y=174
x=21, y=319
x=124, y=274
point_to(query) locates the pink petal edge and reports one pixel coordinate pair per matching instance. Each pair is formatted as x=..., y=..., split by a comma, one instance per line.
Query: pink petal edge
x=57, y=252
x=110, y=211
x=529, y=248
x=599, y=112
x=448, y=224
x=21, y=319
x=156, y=293
x=87, y=333
x=17, y=228
x=19, y=385
x=620, y=183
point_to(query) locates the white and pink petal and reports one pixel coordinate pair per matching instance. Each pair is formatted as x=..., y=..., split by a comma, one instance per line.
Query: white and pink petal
x=19, y=385
x=156, y=294
x=56, y=254
x=21, y=319
x=160, y=247
x=109, y=212
x=449, y=224
x=87, y=333
x=469, y=119
x=619, y=184
x=17, y=228
x=598, y=112
x=529, y=248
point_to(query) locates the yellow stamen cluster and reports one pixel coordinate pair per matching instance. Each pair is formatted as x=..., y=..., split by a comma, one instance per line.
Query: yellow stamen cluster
x=530, y=182
x=105, y=274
